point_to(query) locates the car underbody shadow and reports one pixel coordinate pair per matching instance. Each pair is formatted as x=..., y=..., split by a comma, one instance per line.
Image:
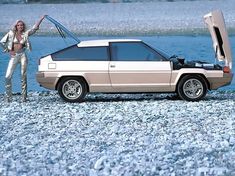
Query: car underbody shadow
x=129, y=97
x=52, y=96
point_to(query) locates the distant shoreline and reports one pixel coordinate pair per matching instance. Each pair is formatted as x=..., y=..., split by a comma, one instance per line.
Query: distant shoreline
x=121, y=19
x=202, y=32
x=81, y=1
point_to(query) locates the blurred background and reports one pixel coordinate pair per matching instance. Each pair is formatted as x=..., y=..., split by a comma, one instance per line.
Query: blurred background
x=81, y=1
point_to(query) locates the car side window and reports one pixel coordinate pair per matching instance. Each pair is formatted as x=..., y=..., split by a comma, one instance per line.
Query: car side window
x=75, y=53
x=133, y=51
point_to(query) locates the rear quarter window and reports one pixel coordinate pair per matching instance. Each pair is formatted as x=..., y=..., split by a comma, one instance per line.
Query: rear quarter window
x=75, y=53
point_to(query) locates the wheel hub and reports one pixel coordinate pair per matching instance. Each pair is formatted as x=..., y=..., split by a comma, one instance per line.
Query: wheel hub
x=193, y=88
x=72, y=89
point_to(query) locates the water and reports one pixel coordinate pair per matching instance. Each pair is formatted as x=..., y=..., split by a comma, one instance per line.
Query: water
x=157, y=23
x=189, y=47
x=152, y=18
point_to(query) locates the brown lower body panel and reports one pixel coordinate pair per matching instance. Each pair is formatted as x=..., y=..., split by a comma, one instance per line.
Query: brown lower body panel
x=47, y=81
x=216, y=83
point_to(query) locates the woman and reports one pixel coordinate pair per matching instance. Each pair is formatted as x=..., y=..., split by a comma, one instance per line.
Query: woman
x=15, y=42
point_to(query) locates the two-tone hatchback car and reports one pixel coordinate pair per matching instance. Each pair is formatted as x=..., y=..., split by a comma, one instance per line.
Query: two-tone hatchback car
x=127, y=66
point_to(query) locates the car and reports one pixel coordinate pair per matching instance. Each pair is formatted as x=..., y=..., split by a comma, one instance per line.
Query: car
x=131, y=65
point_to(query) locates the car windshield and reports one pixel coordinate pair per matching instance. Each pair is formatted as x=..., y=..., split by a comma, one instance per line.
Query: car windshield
x=163, y=53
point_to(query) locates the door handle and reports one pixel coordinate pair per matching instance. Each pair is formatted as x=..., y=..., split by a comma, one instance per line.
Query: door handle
x=112, y=66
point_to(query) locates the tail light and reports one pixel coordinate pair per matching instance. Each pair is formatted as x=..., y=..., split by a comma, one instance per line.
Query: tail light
x=226, y=69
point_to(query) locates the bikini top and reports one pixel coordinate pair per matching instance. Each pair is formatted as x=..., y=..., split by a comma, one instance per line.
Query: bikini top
x=16, y=41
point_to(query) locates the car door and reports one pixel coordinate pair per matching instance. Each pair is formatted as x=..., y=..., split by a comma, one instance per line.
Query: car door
x=135, y=67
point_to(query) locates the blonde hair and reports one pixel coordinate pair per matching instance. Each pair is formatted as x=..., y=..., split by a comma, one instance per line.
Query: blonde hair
x=14, y=29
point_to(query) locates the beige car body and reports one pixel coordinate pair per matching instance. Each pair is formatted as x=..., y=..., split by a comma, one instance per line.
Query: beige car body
x=135, y=76
x=123, y=76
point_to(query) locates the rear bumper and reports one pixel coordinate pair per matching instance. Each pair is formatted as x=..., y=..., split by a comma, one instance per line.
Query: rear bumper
x=47, y=80
x=216, y=83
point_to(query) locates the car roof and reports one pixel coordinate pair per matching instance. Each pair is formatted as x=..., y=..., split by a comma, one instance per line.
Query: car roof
x=104, y=42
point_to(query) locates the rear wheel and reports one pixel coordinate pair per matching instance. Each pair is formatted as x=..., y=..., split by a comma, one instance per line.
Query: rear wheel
x=192, y=88
x=72, y=89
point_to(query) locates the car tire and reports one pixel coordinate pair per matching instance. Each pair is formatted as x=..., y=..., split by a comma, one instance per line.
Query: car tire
x=192, y=88
x=72, y=89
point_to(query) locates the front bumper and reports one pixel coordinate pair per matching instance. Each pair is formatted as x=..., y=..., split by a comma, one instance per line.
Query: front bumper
x=216, y=82
x=47, y=80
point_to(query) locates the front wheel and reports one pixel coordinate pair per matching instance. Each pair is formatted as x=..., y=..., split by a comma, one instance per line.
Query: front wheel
x=72, y=89
x=192, y=88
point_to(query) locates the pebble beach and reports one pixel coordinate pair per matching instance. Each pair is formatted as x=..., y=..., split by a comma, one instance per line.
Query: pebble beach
x=118, y=134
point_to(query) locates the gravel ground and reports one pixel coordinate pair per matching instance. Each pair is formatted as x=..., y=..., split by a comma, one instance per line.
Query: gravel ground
x=138, y=134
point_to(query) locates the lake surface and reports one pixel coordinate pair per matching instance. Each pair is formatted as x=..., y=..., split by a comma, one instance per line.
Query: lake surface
x=189, y=47
x=115, y=19
x=175, y=27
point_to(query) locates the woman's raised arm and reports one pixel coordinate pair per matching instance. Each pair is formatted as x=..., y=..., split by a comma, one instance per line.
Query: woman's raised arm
x=36, y=26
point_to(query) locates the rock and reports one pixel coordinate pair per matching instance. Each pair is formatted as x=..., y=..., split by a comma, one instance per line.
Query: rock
x=99, y=165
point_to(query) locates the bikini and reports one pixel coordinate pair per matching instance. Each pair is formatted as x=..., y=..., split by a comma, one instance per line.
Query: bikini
x=16, y=41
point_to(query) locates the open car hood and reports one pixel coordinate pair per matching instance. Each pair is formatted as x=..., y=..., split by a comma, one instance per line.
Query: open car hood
x=61, y=29
x=216, y=25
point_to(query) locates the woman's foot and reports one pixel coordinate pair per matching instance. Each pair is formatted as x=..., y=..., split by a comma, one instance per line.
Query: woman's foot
x=24, y=99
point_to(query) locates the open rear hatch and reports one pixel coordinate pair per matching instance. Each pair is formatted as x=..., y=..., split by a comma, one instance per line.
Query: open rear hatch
x=62, y=30
x=216, y=25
